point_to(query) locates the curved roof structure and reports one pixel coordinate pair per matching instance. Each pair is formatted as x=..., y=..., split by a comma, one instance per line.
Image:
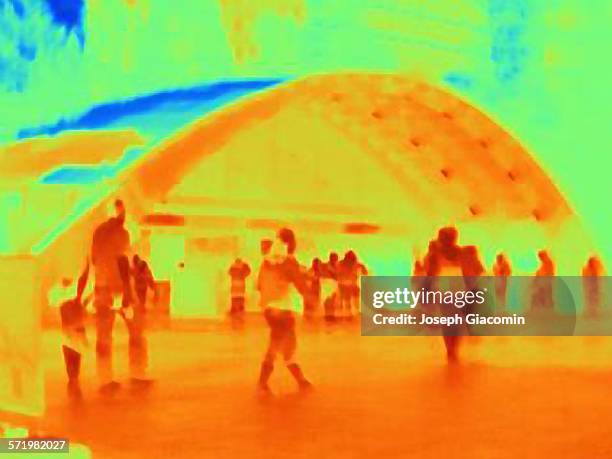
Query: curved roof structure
x=382, y=151
x=377, y=149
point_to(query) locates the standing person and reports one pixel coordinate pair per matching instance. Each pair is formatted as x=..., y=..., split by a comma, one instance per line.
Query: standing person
x=312, y=299
x=136, y=322
x=358, y=271
x=280, y=298
x=329, y=286
x=72, y=313
x=501, y=271
x=592, y=284
x=238, y=272
x=349, y=271
x=109, y=256
x=143, y=280
x=344, y=277
x=542, y=295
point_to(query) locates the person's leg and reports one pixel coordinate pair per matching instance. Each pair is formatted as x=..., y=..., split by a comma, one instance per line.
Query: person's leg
x=72, y=359
x=451, y=334
x=105, y=318
x=141, y=295
x=345, y=301
x=234, y=305
x=451, y=343
x=289, y=344
x=267, y=366
x=138, y=352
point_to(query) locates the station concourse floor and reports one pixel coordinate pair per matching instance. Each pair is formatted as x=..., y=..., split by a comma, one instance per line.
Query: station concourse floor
x=373, y=397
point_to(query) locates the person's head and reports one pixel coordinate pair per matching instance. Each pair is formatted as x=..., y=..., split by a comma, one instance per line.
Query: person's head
x=284, y=244
x=543, y=256
x=316, y=263
x=287, y=236
x=595, y=263
x=333, y=258
x=120, y=211
x=135, y=260
x=350, y=257
x=448, y=236
x=500, y=258
x=265, y=245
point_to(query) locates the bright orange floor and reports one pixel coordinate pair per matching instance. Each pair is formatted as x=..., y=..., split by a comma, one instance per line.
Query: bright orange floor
x=374, y=397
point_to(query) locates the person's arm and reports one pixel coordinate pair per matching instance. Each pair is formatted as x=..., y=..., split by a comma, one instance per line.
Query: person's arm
x=152, y=284
x=258, y=280
x=82, y=282
x=293, y=271
x=150, y=278
x=123, y=265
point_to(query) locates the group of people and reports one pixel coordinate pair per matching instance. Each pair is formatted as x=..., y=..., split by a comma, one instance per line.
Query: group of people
x=446, y=258
x=285, y=289
x=331, y=287
x=471, y=266
x=335, y=284
x=119, y=288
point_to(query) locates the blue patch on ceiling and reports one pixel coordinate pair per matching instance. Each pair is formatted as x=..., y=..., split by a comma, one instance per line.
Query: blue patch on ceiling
x=75, y=175
x=85, y=175
x=69, y=15
x=17, y=7
x=156, y=115
x=26, y=50
x=508, y=19
x=459, y=80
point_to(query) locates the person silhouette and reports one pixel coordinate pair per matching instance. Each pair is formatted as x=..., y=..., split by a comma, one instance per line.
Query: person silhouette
x=280, y=299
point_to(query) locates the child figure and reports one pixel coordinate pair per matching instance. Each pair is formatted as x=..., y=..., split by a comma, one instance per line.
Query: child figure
x=73, y=314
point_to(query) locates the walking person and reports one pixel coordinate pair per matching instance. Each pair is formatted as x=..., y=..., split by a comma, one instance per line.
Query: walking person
x=280, y=291
x=443, y=262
